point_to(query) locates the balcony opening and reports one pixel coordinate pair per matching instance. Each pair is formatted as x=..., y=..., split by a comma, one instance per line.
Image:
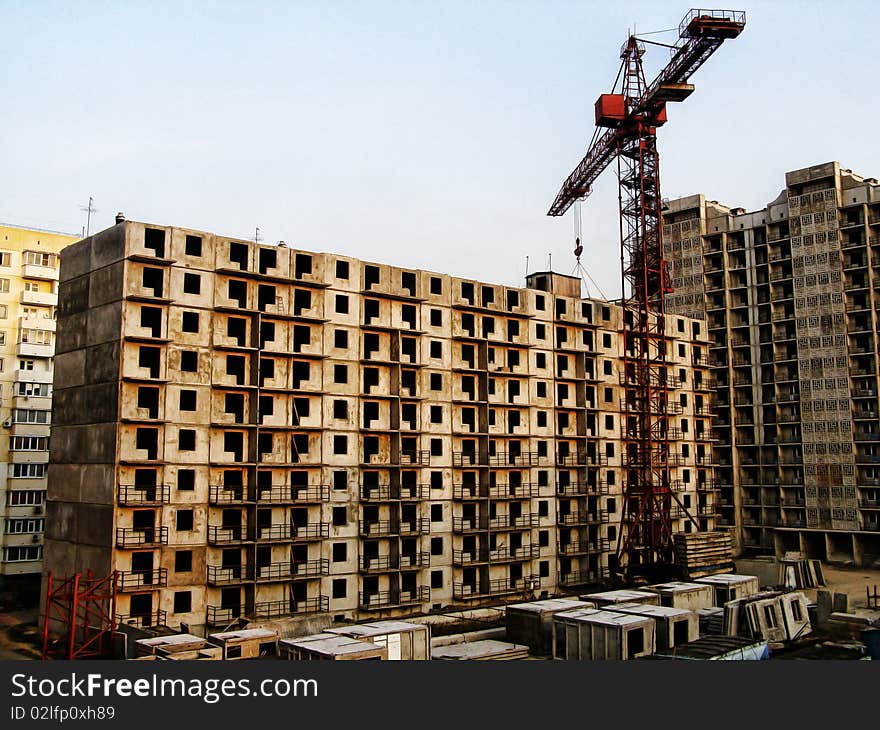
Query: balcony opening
x=266, y=407
x=235, y=367
x=301, y=373
x=267, y=370
x=236, y=328
x=154, y=239
x=408, y=348
x=302, y=265
x=408, y=382
x=409, y=415
x=300, y=410
x=467, y=292
x=147, y=439
x=371, y=379
x=371, y=345
x=300, y=447
x=371, y=413
x=153, y=279
x=371, y=448
x=233, y=442
x=371, y=310
x=408, y=315
x=267, y=333
x=268, y=259
x=148, y=398
x=238, y=293
x=302, y=337
x=148, y=357
x=238, y=254
x=488, y=326
x=371, y=276
x=265, y=445
x=302, y=301
x=151, y=319
x=266, y=297
x=408, y=282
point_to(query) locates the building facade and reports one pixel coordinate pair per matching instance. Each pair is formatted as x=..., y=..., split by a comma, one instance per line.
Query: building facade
x=254, y=431
x=790, y=297
x=28, y=298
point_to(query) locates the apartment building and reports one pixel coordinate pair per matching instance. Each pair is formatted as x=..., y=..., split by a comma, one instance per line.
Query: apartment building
x=253, y=431
x=790, y=297
x=28, y=297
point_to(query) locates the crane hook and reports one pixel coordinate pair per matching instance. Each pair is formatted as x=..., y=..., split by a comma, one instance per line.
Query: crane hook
x=578, y=249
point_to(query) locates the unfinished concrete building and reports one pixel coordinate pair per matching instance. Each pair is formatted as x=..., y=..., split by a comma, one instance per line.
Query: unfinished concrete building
x=251, y=431
x=789, y=295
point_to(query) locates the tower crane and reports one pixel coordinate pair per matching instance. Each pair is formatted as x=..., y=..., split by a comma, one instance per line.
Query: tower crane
x=626, y=131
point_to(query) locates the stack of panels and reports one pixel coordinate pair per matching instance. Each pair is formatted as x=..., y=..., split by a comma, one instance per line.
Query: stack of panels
x=800, y=573
x=703, y=553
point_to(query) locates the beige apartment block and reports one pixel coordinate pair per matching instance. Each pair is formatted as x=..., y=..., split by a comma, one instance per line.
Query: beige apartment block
x=790, y=297
x=255, y=432
x=28, y=297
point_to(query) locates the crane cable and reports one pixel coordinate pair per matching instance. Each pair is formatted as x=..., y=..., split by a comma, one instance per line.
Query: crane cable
x=579, y=269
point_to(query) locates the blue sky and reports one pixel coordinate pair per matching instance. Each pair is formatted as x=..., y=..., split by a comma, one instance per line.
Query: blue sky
x=430, y=135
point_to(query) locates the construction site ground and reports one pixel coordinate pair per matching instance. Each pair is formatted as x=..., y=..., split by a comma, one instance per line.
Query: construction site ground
x=20, y=635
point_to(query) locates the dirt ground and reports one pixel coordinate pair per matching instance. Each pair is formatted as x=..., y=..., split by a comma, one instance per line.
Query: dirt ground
x=19, y=636
x=852, y=581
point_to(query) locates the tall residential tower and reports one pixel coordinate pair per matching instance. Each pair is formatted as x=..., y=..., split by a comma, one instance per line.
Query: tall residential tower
x=28, y=297
x=791, y=297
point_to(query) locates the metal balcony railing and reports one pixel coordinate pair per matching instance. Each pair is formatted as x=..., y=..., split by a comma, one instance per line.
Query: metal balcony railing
x=421, y=457
x=584, y=547
x=497, y=587
x=582, y=518
x=137, y=496
x=387, y=528
x=469, y=557
x=508, y=555
x=222, y=575
x=387, y=563
x=220, y=535
x=578, y=577
x=371, y=601
x=282, y=608
x=141, y=620
x=294, y=533
x=582, y=489
x=220, y=494
x=290, y=570
x=510, y=522
x=222, y=616
x=141, y=580
x=286, y=493
x=128, y=537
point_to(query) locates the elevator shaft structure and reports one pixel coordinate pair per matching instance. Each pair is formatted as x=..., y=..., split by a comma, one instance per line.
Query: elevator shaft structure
x=630, y=116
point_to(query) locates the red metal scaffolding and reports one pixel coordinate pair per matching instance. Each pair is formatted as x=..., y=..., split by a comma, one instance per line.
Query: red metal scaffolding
x=82, y=610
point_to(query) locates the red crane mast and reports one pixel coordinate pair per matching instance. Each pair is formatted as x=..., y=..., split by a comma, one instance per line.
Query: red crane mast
x=629, y=117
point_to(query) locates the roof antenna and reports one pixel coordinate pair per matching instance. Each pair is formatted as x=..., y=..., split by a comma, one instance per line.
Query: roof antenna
x=89, y=209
